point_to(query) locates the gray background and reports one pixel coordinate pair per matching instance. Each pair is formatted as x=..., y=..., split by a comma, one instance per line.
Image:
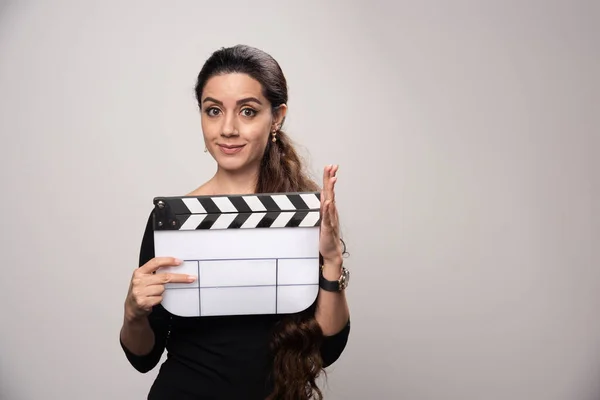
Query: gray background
x=467, y=138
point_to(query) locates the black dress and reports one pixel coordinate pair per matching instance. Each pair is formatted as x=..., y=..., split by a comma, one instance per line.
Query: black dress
x=213, y=357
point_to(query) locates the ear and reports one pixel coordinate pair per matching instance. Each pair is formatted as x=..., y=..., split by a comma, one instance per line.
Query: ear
x=279, y=115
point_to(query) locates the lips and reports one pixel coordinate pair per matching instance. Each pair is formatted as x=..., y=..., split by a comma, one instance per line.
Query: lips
x=230, y=149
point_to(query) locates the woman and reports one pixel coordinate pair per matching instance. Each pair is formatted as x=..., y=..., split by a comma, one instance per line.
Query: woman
x=242, y=96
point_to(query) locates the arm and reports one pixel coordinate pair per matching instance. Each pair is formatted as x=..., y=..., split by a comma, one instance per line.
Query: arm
x=143, y=340
x=146, y=323
x=332, y=312
x=333, y=316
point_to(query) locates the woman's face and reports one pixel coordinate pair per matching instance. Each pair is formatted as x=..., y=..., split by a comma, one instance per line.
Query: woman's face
x=237, y=120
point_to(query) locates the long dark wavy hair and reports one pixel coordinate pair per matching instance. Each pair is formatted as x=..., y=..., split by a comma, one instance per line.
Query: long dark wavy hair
x=297, y=338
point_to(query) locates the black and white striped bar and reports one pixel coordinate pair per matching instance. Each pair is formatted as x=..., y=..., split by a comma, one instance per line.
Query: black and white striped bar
x=287, y=210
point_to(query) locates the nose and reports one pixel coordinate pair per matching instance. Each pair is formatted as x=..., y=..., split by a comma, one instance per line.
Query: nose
x=229, y=128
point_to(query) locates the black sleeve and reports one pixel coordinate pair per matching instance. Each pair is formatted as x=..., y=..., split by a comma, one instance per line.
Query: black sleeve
x=333, y=346
x=159, y=318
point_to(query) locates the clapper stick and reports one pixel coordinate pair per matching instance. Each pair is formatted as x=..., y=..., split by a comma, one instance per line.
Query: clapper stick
x=253, y=254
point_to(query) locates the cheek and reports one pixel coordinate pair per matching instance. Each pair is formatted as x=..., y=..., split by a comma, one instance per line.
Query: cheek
x=208, y=127
x=257, y=134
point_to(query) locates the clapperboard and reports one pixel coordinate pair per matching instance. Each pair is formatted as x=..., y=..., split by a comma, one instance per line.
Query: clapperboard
x=253, y=254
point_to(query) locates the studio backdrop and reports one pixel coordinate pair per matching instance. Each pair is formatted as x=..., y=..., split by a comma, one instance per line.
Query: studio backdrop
x=467, y=139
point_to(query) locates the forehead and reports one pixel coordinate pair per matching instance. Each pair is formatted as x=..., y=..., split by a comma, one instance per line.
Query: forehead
x=232, y=87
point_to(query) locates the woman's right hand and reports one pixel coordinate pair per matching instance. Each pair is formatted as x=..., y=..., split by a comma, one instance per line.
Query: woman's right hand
x=147, y=287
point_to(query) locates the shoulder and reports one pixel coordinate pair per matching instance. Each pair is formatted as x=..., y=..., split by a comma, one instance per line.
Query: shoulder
x=147, y=247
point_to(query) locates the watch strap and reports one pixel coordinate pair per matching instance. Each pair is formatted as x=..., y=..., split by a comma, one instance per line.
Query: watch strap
x=333, y=286
x=330, y=286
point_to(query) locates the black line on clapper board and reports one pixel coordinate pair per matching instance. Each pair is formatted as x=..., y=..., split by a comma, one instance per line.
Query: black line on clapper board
x=199, y=292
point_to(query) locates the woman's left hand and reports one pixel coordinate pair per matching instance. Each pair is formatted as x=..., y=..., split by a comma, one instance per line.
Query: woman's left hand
x=330, y=245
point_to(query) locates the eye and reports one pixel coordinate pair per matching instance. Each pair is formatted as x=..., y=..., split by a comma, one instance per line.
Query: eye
x=248, y=112
x=212, y=111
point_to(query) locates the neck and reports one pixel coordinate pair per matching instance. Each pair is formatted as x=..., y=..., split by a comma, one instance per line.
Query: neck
x=239, y=182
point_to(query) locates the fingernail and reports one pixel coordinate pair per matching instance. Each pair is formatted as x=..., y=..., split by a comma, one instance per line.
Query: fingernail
x=191, y=278
x=178, y=261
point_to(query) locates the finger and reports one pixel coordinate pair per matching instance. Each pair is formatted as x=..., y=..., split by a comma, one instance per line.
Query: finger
x=334, y=170
x=330, y=217
x=168, y=277
x=154, y=300
x=148, y=302
x=326, y=172
x=140, y=294
x=326, y=175
x=159, y=262
x=154, y=290
x=332, y=189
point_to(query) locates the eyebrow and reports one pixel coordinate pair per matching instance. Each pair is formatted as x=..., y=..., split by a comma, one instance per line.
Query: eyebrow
x=241, y=101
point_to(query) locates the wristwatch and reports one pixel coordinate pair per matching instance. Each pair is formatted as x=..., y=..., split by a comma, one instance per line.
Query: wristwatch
x=334, y=286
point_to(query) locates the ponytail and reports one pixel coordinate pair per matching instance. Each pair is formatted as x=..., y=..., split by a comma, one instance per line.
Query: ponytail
x=297, y=338
x=281, y=169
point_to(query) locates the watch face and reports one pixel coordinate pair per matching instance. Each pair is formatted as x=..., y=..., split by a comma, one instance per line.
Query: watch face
x=345, y=278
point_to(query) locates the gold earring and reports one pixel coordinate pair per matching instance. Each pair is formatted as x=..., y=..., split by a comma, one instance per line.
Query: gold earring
x=205, y=149
x=274, y=139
